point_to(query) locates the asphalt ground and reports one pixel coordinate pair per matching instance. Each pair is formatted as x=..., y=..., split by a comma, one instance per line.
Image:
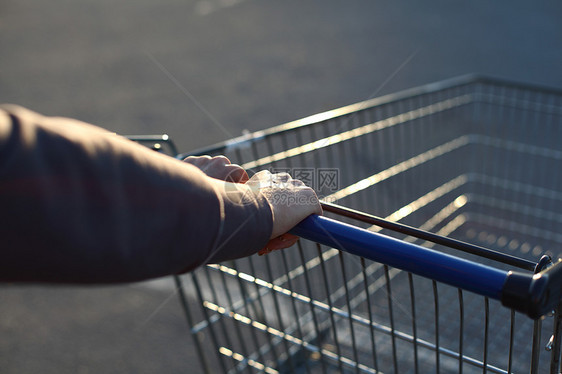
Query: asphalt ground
x=204, y=71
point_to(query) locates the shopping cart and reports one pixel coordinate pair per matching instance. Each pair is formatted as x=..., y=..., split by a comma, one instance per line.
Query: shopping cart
x=469, y=160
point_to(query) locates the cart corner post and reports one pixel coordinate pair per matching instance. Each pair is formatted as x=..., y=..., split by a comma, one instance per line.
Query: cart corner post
x=534, y=295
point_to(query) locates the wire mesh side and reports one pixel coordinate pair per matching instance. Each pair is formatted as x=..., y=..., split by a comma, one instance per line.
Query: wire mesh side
x=473, y=161
x=322, y=339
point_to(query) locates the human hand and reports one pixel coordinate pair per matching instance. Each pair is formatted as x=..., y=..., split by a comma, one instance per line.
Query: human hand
x=291, y=201
x=219, y=167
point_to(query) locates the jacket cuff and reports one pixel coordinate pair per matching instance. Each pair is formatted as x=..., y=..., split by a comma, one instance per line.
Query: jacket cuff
x=247, y=229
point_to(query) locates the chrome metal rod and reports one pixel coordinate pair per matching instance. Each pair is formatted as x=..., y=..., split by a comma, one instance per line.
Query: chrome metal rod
x=431, y=237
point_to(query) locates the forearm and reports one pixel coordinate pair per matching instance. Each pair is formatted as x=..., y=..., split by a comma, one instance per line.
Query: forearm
x=83, y=205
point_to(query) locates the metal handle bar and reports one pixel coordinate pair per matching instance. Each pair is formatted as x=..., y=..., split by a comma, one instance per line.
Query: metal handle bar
x=429, y=236
x=532, y=294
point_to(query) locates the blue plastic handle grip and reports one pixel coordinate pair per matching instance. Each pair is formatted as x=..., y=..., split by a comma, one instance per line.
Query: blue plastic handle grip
x=458, y=272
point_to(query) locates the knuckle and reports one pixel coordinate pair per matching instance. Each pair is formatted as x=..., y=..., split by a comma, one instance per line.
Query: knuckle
x=221, y=159
x=262, y=174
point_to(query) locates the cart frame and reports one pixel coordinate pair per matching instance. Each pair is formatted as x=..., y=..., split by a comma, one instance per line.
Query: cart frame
x=530, y=286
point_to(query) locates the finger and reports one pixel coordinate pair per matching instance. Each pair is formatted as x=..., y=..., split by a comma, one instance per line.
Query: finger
x=221, y=160
x=317, y=206
x=260, y=175
x=281, y=178
x=296, y=183
x=219, y=167
x=265, y=179
x=244, y=177
x=281, y=242
x=260, y=179
x=264, y=251
x=215, y=166
x=197, y=160
x=290, y=206
x=206, y=160
x=288, y=238
x=235, y=173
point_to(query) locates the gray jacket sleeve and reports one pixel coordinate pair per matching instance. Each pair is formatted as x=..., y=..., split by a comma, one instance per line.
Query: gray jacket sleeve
x=81, y=205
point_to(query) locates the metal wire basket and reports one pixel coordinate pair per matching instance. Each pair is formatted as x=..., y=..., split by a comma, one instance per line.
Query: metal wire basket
x=473, y=159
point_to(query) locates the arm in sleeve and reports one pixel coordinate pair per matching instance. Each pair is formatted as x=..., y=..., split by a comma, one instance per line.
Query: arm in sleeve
x=81, y=205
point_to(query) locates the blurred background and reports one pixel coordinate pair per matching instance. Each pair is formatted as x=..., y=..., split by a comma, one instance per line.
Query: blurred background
x=204, y=71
